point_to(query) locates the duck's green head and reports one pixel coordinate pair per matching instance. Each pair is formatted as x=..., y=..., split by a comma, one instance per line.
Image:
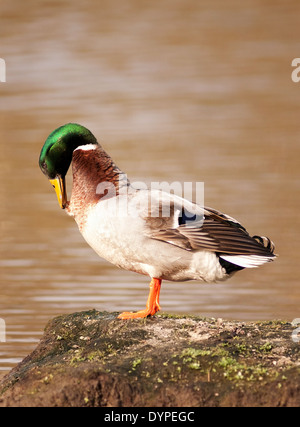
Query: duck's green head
x=56, y=155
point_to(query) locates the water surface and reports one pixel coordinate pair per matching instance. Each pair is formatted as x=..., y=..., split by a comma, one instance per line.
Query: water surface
x=175, y=91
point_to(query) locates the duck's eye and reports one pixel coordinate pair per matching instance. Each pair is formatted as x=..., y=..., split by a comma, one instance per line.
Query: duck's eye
x=44, y=167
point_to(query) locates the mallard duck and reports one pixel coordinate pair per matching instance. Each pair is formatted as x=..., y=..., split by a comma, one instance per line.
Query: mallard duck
x=150, y=232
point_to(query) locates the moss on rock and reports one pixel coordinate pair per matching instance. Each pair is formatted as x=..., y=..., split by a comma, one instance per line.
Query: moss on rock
x=93, y=359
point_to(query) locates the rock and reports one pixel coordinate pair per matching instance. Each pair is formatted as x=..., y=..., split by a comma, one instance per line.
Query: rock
x=93, y=359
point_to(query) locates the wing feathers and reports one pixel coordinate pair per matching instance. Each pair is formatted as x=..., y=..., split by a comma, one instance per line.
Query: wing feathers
x=218, y=232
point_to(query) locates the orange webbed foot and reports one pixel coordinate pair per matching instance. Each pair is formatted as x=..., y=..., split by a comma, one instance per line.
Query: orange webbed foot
x=136, y=315
x=152, y=306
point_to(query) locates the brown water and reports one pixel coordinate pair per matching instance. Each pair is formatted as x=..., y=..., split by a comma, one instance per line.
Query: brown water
x=176, y=91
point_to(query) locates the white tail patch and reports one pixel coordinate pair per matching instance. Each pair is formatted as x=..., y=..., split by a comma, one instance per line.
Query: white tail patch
x=247, y=261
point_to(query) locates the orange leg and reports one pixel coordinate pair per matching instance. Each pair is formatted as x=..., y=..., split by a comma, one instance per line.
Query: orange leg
x=152, y=305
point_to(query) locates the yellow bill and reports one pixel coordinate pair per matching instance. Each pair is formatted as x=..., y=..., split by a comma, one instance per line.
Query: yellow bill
x=59, y=185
